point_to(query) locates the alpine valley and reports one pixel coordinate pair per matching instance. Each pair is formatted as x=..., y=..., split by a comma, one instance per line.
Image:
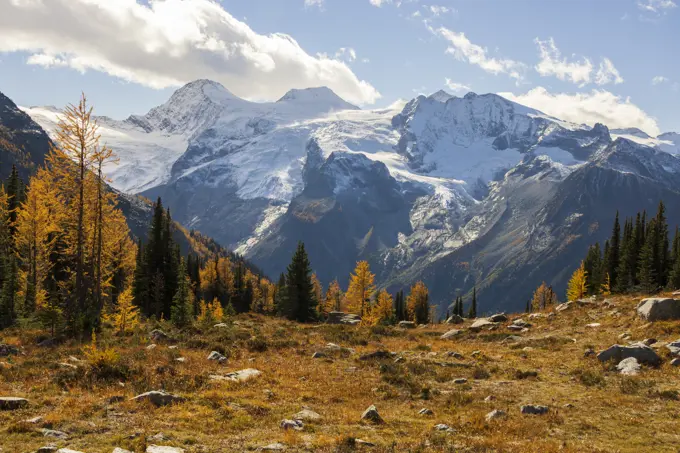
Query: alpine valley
x=459, y=192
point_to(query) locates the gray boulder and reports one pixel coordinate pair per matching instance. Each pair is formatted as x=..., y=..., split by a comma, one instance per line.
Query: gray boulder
x=642, y=352
x=11, y=403
x=339, y=317
x=407, y=324
x=238, y=376
x=659, y=309
x=158, y=335
x=451, y=334
x=216, y=356
x=68, y=450
x=629, y=366
x=532, y=409
x=54, y=433
x=455, y=319
x=425, y=412
x=444, y=428
x=7, y=350
x=498, y=317
x=307, y=415
x=276, y=446
x=121, y=450
x=481, y=324
x=162, y=449
x=297, y=425
x=371, y=415
x=495, y=414
x=675, y=362
x=158, y=398
x=47, y=449
x=674, y=347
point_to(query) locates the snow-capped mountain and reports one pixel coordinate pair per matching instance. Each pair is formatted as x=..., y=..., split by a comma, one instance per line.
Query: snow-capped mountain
x=458, y=191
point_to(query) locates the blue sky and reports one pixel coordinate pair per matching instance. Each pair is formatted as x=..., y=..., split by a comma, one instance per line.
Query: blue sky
x=615, y=61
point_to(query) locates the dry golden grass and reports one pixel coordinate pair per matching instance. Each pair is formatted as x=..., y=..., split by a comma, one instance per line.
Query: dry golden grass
x=610, y=413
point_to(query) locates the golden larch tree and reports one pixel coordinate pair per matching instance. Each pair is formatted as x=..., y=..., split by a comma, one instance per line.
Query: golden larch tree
x=126, y=315
x=361, y=288
x=544, y=296
x=382, y=311
x=577, y=286
x=418, y=303
x=333, y=298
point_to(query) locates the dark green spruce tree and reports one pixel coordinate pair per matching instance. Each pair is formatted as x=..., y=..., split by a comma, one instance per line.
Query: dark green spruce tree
x=472, y=313
x=300, y=303
x=614, y=251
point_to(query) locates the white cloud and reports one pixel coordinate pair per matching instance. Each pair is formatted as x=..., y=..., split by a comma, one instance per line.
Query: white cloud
x=346, y=53
x=317, y=3
x=168, y=43
x=552, y=64
x=597, y=106
x=578, y=71
x=380, y=3
x=656, y=6
x=607, y=73
x=454, y=86
x=437, y=10
x=656, y=80
x=462, y=49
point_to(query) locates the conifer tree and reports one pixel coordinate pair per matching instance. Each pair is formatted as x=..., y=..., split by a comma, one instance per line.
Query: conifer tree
x=472, y=313
x=380, y=312
x=333, y=298
x=361, y=288
x=182, y=305
x=662, y=254
x=614, y=251
x=299, y=303
x=126, y=315
x=418, y=304
x=578, y=284
x=646, y=264
x=593, y=266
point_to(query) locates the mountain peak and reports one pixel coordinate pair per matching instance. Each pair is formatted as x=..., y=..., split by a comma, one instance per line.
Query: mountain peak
x=317, y=95
x=441, y=96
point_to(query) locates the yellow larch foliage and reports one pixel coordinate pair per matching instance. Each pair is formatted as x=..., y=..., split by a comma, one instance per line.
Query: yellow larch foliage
x=333, y=299
x=126, y=315
x=381, y=311
x=544, y=296
x=318, y=289
x=577, y=286
x=361, y=288
x=417, y=303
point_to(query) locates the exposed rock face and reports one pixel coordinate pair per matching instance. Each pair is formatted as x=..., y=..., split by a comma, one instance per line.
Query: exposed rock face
x=455, y=319
x=159, y=398
x=297, y=425
x=451, y=334
x=307, y=415
x=640, y=351
x=371, y=415
x=495, y=414
x=659, y=309
x=214, y=355
x=481, y=324
x=238, y=376
x=499, y=317
x=11, y=403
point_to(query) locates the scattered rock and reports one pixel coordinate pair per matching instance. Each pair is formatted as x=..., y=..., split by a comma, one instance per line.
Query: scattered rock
x=158, y=335
x=399, y=359
x=451, y=334
x=7, y=350
x=54, y=433
x=425, y=412
x=407, y=324
x=521, y=323
x=674, y=347
x=593, y=325
x=338, y=317
x=238, y=376
x=11, y=403
x=589, y=352
x=180, y=359
x=158, y=437
x=536, y=316
x=319, y=355
x=675, y=362
x=220, y=325
x=276, y=446
x=371, y=415
x=489, y=399
x=161, y=449
x=475, y=353
x=629, y=366
x=519, y=374
x=534, y=409
x=642, y=352
x=568, y=406
x=151, y=346
x=495, y=414
x=115, y=399
x=659, y=309
x=455, y=319
x=625, y=336
x=121, y=450
x=214, y=355
x=47, y=449
x=307, y=415
x=381, y=354
x=455, y=355
x=649, y=341
x=68, y=450
x=444, y=427
x=460, y=381
x=34, y=420
x=297, y=425
x=480, y=324
x=363, y=443
x=159, y=398
x=563, y=307
x=498, y=317
x=516, y=328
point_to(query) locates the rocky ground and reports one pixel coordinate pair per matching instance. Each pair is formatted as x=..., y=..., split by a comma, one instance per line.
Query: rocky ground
x=544, y=382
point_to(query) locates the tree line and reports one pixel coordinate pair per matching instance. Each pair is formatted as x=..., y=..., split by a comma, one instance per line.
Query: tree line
x=639, y=258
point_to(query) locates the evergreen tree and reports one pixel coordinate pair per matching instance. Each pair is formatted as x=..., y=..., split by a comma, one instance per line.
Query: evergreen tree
x=182, y=305
x=627, y=261
x=578, y=284
x=418, y=304
x=472, y=313
x=662, y=254
x=593, y=265
x=299, y=303
x=646, y=263
x=280, y=296
x=614, y=251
